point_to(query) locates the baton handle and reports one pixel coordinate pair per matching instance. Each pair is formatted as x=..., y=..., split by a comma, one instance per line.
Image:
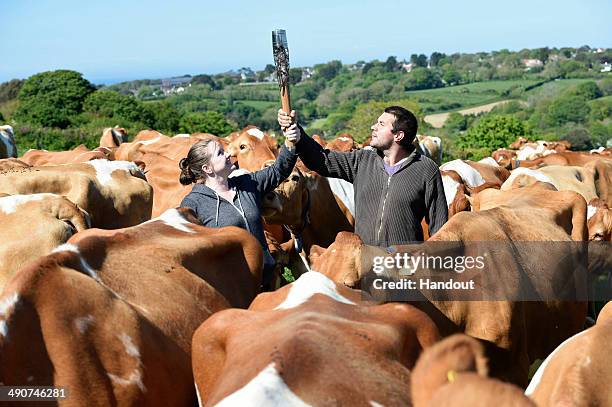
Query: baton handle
x=286, y=105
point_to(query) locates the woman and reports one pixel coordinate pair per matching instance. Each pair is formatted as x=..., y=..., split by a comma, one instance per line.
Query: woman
x=218, y=200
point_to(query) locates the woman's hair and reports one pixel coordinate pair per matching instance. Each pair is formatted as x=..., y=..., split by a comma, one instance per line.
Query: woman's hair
x=191, y=166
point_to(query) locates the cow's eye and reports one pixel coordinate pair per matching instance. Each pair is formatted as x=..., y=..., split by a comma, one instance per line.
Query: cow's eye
x=295, y=178
x=243, y=146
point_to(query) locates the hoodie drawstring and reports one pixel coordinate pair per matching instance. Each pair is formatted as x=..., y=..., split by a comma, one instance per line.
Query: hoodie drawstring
x=218, y=204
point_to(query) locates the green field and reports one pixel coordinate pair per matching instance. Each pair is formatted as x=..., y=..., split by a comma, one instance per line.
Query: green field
x=470, y=95
x=258, y=104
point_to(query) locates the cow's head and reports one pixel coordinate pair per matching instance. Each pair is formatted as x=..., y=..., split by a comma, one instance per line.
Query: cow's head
x=599, y=221
x=341, y=261
x=251, y=149
x=289, y=203
x=343, y=142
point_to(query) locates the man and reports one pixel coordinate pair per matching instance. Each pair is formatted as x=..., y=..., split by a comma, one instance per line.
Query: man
x=395, y=186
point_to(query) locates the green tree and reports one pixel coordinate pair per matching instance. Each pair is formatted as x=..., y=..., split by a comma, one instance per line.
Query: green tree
x=166, y=117
x=52, y=98
x=493, y=132
x=9, y=90
x=452, y=77
x=588, y=90
x=295, y=75
x=568, y=109
x=422, y=78
x=365, y=115
x=120, y=107
x=206, y=122
x=435, y=58
x=391, y=64
x=329, y=70
x=419, y=60
x=456, y=122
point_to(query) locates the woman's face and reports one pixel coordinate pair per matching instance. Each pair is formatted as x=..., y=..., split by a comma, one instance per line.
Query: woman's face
x=220, y=162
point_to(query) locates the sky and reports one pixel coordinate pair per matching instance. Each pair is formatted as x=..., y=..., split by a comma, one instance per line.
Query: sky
x=115, y=40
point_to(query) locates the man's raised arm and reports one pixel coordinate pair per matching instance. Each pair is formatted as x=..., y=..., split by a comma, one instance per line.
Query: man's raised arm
x=327, y=163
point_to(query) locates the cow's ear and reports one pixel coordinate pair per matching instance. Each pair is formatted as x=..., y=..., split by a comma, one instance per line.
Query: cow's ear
x=315, y=252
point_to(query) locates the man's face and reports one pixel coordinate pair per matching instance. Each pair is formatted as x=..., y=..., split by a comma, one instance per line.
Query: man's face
x=382, y=135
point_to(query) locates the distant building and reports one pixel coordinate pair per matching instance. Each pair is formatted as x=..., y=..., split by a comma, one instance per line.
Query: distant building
x=171, y=85
x=246, y=73
x=532, y=63
x=408, y=67
x=307, y=73
x=606, y=67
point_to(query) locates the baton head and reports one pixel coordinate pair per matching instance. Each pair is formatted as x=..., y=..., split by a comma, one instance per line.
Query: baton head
x=279, y=39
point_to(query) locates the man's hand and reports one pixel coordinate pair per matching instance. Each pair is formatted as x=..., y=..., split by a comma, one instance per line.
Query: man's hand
x=286, y=120
x=292, y=134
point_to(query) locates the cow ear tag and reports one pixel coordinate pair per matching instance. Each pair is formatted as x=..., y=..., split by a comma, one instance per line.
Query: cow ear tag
x=451, y=375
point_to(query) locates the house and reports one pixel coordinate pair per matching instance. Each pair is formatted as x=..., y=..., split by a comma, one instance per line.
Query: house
x=606, y=67
x=246, y=73
x=307, y=72
x=170, y=85
x=532, y=63
x=408, y=67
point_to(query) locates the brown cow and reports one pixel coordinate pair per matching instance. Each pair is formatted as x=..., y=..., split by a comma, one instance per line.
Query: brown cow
x=79, y=154
x=302, y=344
x=454, y=372
x=110, y=316
x=526, y=331
x=114, y=193
x=113, y=137
x=563, y=158
x=33, y=225
x=599, y=221
x=252, y=148
x=344, y=142
x=577, y=372
x=12, y=163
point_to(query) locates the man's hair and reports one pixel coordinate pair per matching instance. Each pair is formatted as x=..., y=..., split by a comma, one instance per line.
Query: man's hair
x=404, y=121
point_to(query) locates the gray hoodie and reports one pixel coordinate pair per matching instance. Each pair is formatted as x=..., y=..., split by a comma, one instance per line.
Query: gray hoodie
x=245, y=212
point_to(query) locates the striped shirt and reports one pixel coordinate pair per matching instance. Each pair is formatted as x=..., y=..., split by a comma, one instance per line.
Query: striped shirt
x=388, y=208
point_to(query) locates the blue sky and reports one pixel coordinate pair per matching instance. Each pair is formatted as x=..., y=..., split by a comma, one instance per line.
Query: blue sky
x=115, y=40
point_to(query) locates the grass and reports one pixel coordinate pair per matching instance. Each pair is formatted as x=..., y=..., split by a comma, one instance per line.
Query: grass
x=463, y=96
x=554, y=88
x=258, y=104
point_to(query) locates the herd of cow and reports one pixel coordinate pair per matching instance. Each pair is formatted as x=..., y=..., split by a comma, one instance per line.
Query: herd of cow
x=112, y=292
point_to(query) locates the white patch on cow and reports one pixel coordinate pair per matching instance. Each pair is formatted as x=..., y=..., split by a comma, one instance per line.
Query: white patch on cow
x=104, y=169
x=528, y=171
x=537, y=377
x=597, y=150
x=469, y=175
x=7, y=138
x=69, y=247
x=591, y=211
x=345, y=191
x=8, y=303
x=489, y=161
x=136, y=376
x=343, y=138
x=265, y=389
x=450, y=188
x=256, y=133
x=83, y=323
x=149, y=142
x=375, y=404
x=198, y=394
x=130, y=348
x=306, y=286
x=549, y=152
x=9, y=204
x=183, y=135
x=173, y=218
